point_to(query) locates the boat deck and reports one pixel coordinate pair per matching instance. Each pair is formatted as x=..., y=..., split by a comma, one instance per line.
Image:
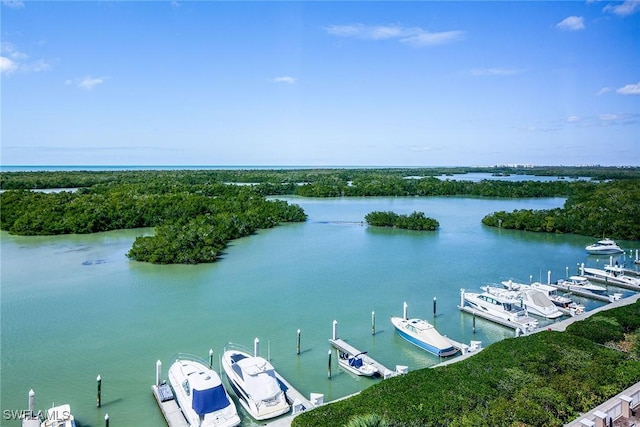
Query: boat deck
x=169, y=407
x=345, y=347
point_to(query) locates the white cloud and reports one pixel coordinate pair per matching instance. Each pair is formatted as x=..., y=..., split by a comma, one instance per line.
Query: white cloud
x=284, y=79
x=632, y=89
x=15, y=60
x=628, y=7
x=572, y=23
x=14, y=4
x=414, y=36
x=603, y=91
x=494, y=72
x=573, y=119
x=7, y=66
x=89, y=82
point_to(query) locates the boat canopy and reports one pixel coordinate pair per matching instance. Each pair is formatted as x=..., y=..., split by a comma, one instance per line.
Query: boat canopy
x=209, y=400
x=356, y=362
x=259, y=378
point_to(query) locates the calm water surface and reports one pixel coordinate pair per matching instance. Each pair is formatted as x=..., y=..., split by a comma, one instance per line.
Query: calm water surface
x=73, y=307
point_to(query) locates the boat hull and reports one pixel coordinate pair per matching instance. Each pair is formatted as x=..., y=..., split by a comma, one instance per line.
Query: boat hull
x=433, y=349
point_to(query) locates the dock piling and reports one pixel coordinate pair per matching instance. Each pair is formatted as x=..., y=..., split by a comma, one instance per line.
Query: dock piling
x=335, y=330
x=329, y=366
x=404, y=310
x=210, y=358
x=256, y=347
x=298, y=343
x=99, y=397
x=106, y=420
x=158, y=372
x=373, y=323
x=32, y=401
x=474, y=321
x=434, y=306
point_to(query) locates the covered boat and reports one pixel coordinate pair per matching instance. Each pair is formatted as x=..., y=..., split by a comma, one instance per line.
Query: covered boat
x=424, y=335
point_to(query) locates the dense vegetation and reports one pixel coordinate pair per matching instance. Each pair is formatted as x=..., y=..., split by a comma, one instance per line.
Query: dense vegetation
x=611, y=209
x=414, y=221
x=194, y=223
x=545, y=379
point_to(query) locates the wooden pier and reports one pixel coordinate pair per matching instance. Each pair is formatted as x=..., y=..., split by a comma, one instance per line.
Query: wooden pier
x=168, y=405
x=345, y=347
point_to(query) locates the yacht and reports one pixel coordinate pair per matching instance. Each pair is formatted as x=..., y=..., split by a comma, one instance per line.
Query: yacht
x=611, y=276
x=201, y=395
x=581, y=283
x=59, y=416
x=255, y=383
x=423, y=334
x=502, y=307
x=604, y=247
x=535, y=300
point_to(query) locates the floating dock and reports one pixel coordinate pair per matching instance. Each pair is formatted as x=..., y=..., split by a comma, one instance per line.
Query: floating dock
x=168, y=405
x=345, y=347
x=575, y=290
x=487, y=316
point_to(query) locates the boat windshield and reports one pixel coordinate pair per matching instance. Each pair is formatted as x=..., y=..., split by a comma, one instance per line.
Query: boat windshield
x=209, y=400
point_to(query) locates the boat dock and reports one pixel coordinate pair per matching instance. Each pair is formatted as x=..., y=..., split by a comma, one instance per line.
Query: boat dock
x=345, y=347
x=169, y=406
x=298, y=402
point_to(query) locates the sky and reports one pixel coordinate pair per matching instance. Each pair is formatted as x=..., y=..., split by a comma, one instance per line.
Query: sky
x=320, y=83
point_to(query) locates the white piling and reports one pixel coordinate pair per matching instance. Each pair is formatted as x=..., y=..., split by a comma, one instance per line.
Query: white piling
x=404, y=310
x=99, y=396
x=335, y=330
x=549, y=277
x=611, y=260
x=106, y=420
x=434, y=306
x=530, y=278
x=462, y=297
x=298, y=343
x=256, y=347
x=582, y=269
x=373, y=323
x=32, y=402
x=210, y=358
x=566, y=272
x=158, y=372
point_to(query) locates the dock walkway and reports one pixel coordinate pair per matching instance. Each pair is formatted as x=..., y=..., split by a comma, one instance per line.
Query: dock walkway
x=169, y=407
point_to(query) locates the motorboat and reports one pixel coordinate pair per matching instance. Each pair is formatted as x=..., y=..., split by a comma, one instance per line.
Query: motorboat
x=254, y=381
x=534, y=300
x=611, y=276
x=200, y=394
x=562, y=301
x=59, y=416
x=604, y=247
x=424, y=335
x=502, y=307
x=581, y=283
x=358, y=364
x=620, y=274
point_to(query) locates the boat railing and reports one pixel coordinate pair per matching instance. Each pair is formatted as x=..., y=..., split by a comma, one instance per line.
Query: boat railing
x=190, y=357
x=238, y=347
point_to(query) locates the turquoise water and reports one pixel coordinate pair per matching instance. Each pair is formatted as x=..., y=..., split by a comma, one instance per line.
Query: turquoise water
x=73, y=307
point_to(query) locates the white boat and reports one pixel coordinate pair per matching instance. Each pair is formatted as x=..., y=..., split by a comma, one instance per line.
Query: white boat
x=533, y=299
x=581, y=283
x=200, y=394
x=357, y=364
x=620, y=274
x=424, y=335
x=255, y=383
x=604, y=247
x=501, y=307
x=610, y=276
x=59, y=416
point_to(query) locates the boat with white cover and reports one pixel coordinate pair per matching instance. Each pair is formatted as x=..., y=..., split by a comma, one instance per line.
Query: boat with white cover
x=59, y=416
x=604, y=247
x=254, y=381
x=582, y=283
x=611, y=276
x=358, y=364
x=424, y=335
x=533, y=299
x=505, y=309
x=200, y=394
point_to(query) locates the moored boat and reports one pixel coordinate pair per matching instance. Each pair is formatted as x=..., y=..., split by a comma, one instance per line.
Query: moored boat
x=424, y=335
x=254, y=381
x=582, y=283
x=200, y=394
x=505, y=310
x=604, y=247
x=534, y=300
x=59, y=416
x=357, y=364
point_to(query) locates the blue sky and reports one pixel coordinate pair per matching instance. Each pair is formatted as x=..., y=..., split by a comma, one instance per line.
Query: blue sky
x=348, y=83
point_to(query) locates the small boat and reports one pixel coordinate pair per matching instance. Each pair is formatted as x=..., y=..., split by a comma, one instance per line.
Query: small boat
x=357, y=364
x=254, y=381
x=59, y=416
x=424, y=335
x=604, y=247
x=200, y=394
x=610, y=276
x=533, y=299
x=501, y=307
